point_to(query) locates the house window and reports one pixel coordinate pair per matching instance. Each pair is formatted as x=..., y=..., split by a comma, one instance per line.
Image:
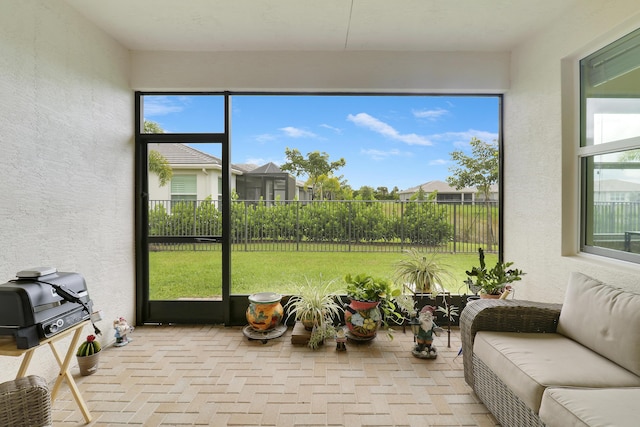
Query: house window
x=184, y=187
x=610, y=150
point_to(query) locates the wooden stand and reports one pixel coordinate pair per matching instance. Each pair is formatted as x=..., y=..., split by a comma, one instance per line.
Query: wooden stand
x=300, y=335
x=8, y=348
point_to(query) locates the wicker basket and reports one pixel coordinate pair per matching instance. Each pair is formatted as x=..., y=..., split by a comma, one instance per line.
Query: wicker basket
x=25, y=402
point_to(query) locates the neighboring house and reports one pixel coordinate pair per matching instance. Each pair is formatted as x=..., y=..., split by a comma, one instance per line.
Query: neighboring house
x=269, y=182
x=446, y=193
x=198, y=175
x=615, y=190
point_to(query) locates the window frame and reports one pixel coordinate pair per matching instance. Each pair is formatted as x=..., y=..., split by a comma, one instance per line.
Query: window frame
x=586, y=152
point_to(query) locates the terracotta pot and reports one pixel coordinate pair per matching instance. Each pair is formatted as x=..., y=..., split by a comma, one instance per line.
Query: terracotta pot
x=88, y=364
x=265, y=311
x=489, y=296
x=363, y=318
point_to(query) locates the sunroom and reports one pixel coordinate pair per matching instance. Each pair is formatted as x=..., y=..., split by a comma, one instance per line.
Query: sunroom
x=72, y=71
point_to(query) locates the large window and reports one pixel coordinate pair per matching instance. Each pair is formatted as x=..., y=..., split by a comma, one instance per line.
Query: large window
x=610, y=150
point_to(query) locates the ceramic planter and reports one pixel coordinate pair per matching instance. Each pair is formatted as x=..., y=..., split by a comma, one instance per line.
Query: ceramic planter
x=362, y=318
x=265, y=311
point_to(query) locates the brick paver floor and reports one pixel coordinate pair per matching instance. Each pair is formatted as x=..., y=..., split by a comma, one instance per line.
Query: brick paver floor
x=215, y=376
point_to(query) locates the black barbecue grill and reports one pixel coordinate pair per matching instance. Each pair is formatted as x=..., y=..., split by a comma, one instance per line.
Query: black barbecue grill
x=41, y=303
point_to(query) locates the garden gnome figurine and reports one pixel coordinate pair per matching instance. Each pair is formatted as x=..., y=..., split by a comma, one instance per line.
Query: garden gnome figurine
x=424, y=348
x=122, y=329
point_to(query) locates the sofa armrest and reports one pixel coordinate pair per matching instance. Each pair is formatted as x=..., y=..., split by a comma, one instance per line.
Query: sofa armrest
x=507, y=315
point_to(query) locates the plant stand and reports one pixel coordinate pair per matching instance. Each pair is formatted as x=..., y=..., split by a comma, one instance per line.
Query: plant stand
x=300, y=334
x=259, y=335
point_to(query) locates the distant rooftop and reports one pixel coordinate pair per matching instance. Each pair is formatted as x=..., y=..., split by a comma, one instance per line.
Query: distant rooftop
x=181, y=154
x=442, y=187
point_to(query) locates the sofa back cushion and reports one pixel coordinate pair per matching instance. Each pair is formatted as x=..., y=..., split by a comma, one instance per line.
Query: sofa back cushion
x=604, y=319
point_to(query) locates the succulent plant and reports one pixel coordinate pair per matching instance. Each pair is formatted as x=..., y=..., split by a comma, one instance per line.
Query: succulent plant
x=89, y=347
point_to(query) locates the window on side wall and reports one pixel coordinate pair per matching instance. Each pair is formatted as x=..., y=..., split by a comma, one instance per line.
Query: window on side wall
x=184, y=188
x=610, y=150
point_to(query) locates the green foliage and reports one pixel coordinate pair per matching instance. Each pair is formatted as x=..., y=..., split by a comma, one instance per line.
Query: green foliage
x=315, y=304
x=364, y=287
x=152, y=127
x=423, y=271
x=159, y=165
x=426, y=223
x=315, y=165
x=493, y=281
x=480, y=170
x=423, y=223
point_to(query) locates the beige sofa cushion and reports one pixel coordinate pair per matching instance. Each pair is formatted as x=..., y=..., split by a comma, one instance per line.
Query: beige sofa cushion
x=603, y=318
x=571, y=407
x=528, y=363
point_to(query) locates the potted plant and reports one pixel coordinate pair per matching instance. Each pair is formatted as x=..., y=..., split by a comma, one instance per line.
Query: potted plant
x=494, y=282
x=372, y=305
x=316, y=307
x=88, y=355
x=421, y=273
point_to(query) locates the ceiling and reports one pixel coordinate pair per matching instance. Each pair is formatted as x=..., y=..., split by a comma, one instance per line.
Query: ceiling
x=321, y=25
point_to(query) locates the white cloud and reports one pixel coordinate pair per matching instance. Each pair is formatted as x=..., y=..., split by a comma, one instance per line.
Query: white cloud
x=461, y=139
x=163, y=105
x=292, y=132
x=335, y=129
x=430, y=114
x=375, y=125
x=265, y=137
x=381, y=155
x=438, y=162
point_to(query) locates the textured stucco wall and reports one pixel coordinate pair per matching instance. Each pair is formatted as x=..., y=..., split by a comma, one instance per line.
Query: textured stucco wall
x=541, y=131
x=66, y=158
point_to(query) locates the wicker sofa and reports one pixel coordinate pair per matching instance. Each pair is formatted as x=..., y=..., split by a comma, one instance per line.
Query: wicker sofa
x=575, y=364
x=25, y=402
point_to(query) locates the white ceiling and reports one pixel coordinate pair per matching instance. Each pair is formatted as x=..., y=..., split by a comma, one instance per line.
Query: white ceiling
x=321, y=25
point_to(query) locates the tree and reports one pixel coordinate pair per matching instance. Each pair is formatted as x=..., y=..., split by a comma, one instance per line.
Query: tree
x=366, y=193
x=152, y=127
x=480, y=170
x=158, y=164
x=314, y=165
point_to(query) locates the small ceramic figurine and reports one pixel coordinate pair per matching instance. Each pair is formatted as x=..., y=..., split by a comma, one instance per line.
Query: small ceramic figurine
x=122, y=330
x=424, y=348
x=341, y=340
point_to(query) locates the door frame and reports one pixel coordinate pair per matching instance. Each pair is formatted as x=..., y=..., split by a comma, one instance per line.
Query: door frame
x=174, y=311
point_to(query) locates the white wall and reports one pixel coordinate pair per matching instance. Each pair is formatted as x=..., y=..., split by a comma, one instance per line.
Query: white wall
x=66, y=158
x=541, y=135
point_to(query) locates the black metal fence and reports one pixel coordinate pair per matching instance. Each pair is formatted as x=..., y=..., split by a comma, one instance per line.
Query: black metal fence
x=363, y=226
x=616, y=225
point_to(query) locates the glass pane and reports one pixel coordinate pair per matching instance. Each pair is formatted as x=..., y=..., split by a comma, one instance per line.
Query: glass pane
x=183, y=113
x=613, y=201
x=289, y=227
x=610, y=83
x=185, y=221
x=612, y=119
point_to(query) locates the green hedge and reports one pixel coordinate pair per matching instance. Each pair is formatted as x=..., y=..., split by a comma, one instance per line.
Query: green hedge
x=423, y=223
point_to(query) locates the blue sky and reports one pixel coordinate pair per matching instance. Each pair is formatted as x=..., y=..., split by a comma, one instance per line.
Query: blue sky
x=390, y=141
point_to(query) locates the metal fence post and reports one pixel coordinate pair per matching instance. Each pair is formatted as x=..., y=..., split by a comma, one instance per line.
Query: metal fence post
x=455, y=227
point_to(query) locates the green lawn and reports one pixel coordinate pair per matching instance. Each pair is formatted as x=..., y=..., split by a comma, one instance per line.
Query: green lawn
x=188, y=274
